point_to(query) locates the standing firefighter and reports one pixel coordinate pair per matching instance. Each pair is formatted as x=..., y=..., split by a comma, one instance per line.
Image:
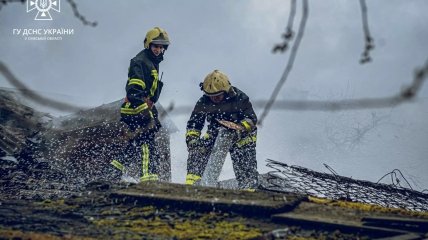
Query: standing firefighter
x=220, y=102
x=138, y=111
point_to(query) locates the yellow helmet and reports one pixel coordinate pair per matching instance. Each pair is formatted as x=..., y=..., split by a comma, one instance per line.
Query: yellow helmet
x=156, y=35
x=216, y=83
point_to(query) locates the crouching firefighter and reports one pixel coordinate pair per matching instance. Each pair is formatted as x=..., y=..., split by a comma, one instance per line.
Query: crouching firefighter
x=222, y=102
x=139, y=112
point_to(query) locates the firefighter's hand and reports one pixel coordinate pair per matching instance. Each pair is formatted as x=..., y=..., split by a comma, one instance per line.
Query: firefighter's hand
x=146, y=117
x=247, y=125
x=149, y=102
x=151, y=124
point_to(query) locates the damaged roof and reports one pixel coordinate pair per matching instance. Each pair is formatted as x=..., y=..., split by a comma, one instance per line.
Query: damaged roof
x=40, y=199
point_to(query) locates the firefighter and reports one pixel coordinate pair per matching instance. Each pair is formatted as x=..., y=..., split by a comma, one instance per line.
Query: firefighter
x=138, y=111
x=221, y=101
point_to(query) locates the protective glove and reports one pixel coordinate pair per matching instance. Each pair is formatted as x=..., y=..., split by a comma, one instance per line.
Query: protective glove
x=192, y=141
x=248, y=125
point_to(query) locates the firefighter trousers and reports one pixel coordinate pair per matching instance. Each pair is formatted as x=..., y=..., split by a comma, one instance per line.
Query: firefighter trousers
x=242, y=154
x=142, y=157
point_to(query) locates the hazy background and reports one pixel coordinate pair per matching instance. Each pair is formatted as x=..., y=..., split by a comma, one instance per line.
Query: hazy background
x=89, y=68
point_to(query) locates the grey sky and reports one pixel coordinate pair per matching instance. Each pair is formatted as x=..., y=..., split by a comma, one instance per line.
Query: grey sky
x=89, y=68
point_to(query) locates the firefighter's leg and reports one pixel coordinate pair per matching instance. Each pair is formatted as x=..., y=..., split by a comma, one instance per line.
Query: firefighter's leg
x=163, y=146
x=117, y=167
x=149, y=157
x=223, y=143
x=127, y=162
x=197, y=160
x=243, y=155
x=132, y=160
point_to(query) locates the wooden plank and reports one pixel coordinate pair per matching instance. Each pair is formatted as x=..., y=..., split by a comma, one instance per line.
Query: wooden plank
x=208, y=198
x=406, y=236
x=314, y=222
x=407, y=224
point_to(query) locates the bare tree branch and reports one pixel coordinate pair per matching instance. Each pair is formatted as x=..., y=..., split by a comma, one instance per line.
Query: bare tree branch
x=339, y=105
x=5, y=2
x=369, y=45
x=80, y=16
x=289, y=64
x=72, y=3
x=406, y=95
x=288, y=35
x=28, y=93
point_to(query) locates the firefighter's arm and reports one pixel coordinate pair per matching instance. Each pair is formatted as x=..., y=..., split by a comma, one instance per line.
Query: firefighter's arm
x=195, y=126
x=136, y=89
x=193, y=132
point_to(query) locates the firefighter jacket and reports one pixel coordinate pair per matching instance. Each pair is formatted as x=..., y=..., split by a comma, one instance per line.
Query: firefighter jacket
x=143, y=88
x=235, y=108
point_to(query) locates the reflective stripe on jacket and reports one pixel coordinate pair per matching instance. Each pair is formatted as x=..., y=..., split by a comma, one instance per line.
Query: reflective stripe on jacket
x=143, y=79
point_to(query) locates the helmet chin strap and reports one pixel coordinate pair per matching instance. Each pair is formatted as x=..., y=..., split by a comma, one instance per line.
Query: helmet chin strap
x=157, y=58
x=231, y=92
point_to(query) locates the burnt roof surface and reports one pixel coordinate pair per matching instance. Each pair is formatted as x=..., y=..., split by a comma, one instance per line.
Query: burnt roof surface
x=40, y=199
